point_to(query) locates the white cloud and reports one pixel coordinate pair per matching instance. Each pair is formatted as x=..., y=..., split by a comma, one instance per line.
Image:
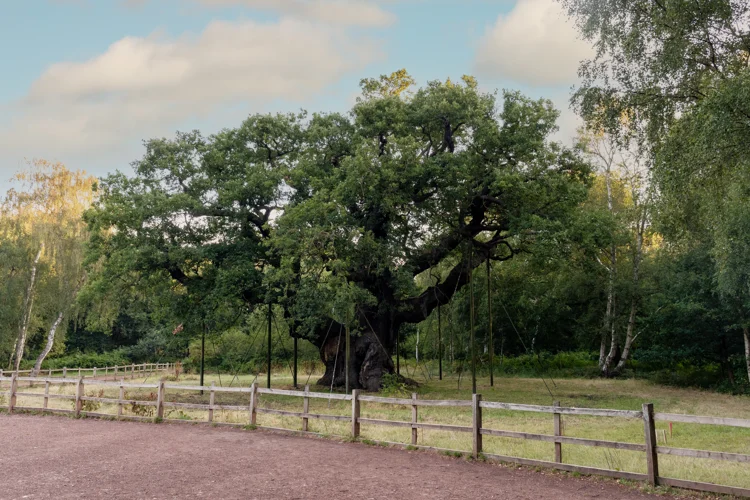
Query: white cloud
x=535, y=44
x=365, y=13
x=141, y=87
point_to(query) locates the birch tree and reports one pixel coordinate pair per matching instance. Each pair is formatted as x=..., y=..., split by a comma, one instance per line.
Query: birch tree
x=682, y=69
x=627, y=195
x=42, y=215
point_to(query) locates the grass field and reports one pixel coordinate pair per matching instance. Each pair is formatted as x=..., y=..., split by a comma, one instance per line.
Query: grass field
x=591, y=393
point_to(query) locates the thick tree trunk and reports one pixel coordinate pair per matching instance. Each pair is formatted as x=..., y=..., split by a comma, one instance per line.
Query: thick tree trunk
x=48, y=346
x=369, y=361
x=746, y=334
x=28, y=304
x=372, y=349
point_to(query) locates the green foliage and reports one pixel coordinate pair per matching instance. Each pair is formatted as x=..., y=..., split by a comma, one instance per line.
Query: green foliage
x=156, y=345
x=367, y=219
x=394, y=385
x=454, y=454
x=676, y=75
x=336, y=218
x=42, y=240
x=656, y=60
x=569, y=364
x=87, y=360
x=406, y=187
x=237, y=351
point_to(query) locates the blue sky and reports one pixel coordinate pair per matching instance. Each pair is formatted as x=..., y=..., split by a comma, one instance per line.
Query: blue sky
x=85, y=81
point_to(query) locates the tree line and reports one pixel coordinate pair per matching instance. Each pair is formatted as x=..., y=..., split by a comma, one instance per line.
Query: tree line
x=441, y=211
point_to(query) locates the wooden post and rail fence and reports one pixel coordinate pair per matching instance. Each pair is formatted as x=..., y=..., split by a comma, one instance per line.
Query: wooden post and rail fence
x=128, y=371
x=477, y=430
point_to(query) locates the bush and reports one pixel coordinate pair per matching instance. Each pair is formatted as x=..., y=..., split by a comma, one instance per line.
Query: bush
x=156, y=345
x=394, y=385
x=86, y=360
x=236, y=351
x=561, y=364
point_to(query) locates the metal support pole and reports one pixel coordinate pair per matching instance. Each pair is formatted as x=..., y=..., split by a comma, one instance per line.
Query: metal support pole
x=348, y=348
x=268, y=355
x=489, y=318
x=471, y=335
x=203, y=354
x=440, y=346
x=294, y=373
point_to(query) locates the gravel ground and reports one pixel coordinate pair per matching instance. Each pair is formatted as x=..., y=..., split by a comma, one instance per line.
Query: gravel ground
x=54, y=457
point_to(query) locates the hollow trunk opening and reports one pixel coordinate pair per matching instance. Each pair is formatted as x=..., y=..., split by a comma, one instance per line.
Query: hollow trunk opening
x=369, y=361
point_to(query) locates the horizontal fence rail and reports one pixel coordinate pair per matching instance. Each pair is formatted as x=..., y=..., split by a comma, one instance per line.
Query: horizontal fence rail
x=132, y=370
x=159, y=402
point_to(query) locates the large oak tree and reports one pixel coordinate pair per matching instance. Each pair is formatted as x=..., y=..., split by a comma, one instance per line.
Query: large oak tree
x=366, y=220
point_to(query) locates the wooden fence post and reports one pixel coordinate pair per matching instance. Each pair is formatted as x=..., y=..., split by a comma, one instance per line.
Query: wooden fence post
x=305, y=409
x=649, y=429
x=13, y=390
x=50, y=372
x=355, y=413
x=253, y=403
x=79, y=372
x=476, y=420
x=115, y=371
x=558, y=432
x=414, y=432
x=79, y=394
x=122, y=396
x=46, y=393
x=211, y=403
x=132, y=372
x=65, y=372
x=160, y=400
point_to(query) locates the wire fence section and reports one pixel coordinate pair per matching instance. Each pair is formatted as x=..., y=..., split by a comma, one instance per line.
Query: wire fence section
x=162, y=401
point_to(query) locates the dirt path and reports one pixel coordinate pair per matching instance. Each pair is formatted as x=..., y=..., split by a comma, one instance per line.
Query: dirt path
x=53, y=457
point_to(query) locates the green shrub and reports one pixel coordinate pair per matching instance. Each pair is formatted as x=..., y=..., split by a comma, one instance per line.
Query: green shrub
x=394, y=385
x=86, y=360
x=561, y=364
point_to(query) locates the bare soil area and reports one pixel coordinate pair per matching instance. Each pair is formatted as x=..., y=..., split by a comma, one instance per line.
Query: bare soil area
x=53, y=457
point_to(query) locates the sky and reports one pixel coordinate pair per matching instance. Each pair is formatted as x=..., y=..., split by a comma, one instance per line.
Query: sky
x=85, y=82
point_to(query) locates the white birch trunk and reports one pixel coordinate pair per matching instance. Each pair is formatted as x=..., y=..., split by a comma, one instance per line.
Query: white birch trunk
x=13, y=354
x=637, y=257
x=609, y=318
x=48, y=346
x=29, y=303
